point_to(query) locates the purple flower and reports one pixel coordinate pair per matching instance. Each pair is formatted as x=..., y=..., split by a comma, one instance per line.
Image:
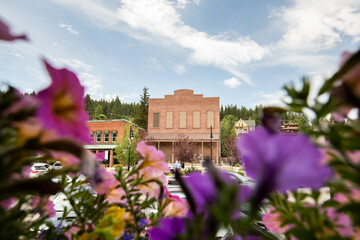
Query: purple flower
x=6, y=35
x=202, y=190
x=168, y=229
x=62, y=105
x=281, y=162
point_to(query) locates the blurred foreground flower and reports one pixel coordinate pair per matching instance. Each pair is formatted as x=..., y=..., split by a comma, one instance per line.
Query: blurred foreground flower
x=62, y=105
x=281, y=162
x=152, y=157
x=168, y=229
x=6, y=35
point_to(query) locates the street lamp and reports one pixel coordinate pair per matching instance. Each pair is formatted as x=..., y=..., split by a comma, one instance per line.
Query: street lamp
x=131, y=136
x=211, y=138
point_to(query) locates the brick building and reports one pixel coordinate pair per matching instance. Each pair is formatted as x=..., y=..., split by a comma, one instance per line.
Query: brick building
x=185, y=113
x=105, y=134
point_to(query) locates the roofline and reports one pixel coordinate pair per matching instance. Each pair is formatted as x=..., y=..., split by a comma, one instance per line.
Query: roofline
x=116, y=120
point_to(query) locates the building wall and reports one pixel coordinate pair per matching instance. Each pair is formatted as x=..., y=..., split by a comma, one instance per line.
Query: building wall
x=171, y=109
x=108, y=125
x=184, y=100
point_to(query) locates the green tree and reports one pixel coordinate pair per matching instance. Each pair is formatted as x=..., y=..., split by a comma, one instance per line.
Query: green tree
x=122, y=147
x=98, y=111
x=141, y=117
x=227, y=130
x=89, y=106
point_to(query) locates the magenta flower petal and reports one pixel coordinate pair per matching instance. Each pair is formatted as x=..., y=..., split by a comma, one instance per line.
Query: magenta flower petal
x=6, y=35
x=62, y=105
x=282, y=162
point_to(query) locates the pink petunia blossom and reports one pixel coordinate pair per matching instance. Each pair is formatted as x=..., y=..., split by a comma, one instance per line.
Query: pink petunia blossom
x=6, y=35
x=47, y=207
x=152, y=188
x=273, y=221
x=108, y=180
x=66, y=159
x=100, y=156
x=177, y=207
x=8, y=203
x=62, y=106
x=152, y=157
x=343, y=223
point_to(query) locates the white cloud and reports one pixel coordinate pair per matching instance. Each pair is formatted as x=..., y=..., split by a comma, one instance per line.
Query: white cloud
x=154, y=64
x=273, y=99
x=75, y=64
x=69, y=28
x=92, y=84
x=161, y=19
x=180, y=69
x=318, y=25
x=232, y=82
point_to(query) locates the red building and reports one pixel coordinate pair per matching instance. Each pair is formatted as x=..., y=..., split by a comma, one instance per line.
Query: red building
x=105, y=134
x=185, y=113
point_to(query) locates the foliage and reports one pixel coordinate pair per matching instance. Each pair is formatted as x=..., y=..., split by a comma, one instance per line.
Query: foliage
x=185, y=149
x=114, y=109
x=227, y=130
x=122, y=148
x=141, y=118
x=189, y=170
x=233, y=152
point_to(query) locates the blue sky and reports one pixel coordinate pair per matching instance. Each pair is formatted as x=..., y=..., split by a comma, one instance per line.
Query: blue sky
x=243, y=51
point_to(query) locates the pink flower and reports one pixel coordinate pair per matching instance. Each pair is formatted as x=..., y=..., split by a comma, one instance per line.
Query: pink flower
x=47, y=205
x=352, y=77
x=66, y=159
x=62, y=105
x=8, y=203
x=344, y=198
x=343, y=223
x=273, y=221
x=6, y=35
x=100, y=156
x=153, y=157
x=176, y=207
x=107, y=181
x=115, y=195
x=152, y=188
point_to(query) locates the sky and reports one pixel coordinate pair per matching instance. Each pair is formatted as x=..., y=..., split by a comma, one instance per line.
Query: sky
x=243, y=51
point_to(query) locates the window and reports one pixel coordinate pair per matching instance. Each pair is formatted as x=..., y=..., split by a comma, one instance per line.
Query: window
x=182, y=119
x=106, y=136
x=114, y=136
x=169, y=119
x=196, y=119
x=98, y=136
x=210, y=119
x=156, y=120
x=92, y=136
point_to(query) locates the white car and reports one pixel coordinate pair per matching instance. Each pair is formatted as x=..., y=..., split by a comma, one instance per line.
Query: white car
x=57, y=165
x=39, y=169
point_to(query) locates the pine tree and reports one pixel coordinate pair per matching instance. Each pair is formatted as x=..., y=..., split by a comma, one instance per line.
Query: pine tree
x=141, y=118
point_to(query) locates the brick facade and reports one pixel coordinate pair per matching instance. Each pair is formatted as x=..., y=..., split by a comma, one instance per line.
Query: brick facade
x=108, y=126
x=185, y=113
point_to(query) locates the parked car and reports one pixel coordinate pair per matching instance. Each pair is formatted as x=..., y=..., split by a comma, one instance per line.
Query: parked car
x=57, y=165
x=39, y=169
